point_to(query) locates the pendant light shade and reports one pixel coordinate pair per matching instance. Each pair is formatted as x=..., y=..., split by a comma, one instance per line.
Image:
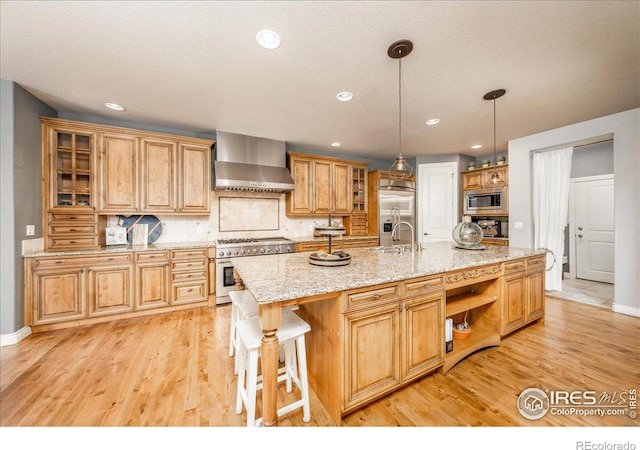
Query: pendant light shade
x=400, y=169
x=493, y=95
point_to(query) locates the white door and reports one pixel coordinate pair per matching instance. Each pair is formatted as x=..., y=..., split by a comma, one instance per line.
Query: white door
x=594, y=228
x=437, y=201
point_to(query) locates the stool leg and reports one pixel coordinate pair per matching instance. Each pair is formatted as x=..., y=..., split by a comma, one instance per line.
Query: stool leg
x=232, y=330
x=304, y=383
x=289, y=359
x=241, y=364
x=252, y=381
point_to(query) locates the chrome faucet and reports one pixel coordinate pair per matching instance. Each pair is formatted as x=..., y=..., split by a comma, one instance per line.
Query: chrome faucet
x=413, y=243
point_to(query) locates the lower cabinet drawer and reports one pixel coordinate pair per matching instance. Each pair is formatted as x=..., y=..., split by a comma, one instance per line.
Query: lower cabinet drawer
x=72, y=229
x=71, y=243
x=190, y=292
x=189, y=276
x=367, y=297
x=189, y=265
x=513, y=267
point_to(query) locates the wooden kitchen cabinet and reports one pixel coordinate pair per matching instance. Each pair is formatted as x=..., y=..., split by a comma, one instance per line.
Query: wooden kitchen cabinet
x=110, y=289
x=372, y=353
x=69, y=187
x=189, y=273
x=481, y=178
x=336, y=244
x=194, y=178
x=392, y=336
x=158, y=177
x=153, y=280
x=90, y=168
x=118, y=173
x=323, y=185
x=70, y=288
x=59, y=294
x=522, y=293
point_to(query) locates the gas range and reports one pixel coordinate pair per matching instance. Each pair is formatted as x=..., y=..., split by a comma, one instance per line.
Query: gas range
x=233, y=248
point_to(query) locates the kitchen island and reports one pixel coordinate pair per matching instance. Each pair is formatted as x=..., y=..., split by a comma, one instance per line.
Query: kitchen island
x=378, y=323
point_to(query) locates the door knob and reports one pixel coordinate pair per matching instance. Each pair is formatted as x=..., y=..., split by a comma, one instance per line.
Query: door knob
x=580, y=228
x=426, y=233
x=579, y=235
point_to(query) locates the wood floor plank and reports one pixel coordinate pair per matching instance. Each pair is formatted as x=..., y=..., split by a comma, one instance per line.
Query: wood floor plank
x=173, y=370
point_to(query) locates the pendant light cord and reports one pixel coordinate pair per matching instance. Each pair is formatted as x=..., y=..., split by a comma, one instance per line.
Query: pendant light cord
x=400, y=103
x=495, y=160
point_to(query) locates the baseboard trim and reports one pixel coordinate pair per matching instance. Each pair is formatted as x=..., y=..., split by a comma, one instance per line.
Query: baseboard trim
x=624, y=309
x=14, y=338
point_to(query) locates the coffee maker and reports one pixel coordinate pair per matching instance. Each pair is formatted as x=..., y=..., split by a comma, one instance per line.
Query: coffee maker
x=491, y=227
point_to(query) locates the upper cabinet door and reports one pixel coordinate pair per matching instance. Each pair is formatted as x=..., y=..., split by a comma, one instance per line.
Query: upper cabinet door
x=342, y=203
x=119, y=179
x=300, y=201
x=194, y=182
x=158, y=177
x=323, y=187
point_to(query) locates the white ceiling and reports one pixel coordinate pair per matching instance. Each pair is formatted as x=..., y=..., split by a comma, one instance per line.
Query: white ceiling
x=196, y=66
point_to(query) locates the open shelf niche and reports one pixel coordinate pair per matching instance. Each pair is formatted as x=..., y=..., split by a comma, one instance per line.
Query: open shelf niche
x=480, y=302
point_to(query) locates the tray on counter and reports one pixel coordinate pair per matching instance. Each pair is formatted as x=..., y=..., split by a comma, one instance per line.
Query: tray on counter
x=327, y=259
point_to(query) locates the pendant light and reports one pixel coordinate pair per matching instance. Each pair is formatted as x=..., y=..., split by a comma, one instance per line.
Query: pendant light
x=400, y=169
x=493, y=95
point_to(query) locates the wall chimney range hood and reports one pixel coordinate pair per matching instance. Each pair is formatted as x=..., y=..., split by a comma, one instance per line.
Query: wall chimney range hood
x=248, y=163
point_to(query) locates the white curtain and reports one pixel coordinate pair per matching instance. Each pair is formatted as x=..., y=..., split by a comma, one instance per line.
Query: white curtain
x=551, y=177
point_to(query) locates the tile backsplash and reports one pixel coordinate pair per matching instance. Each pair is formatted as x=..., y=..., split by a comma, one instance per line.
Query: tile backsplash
x=236, y=215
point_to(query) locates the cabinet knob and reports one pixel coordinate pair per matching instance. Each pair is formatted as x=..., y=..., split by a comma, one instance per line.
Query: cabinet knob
x=406, y=307
x=400, y=308
x=376, y=296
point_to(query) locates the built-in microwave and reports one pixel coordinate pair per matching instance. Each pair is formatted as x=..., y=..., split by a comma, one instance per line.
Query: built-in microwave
x=489, y=202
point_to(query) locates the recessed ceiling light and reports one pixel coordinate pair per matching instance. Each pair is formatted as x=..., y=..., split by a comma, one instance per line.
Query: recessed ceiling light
x=115, y=106
x=432, y=121
x=344, y=96
x=268, y=39
x=476, y=146
x=335, y=144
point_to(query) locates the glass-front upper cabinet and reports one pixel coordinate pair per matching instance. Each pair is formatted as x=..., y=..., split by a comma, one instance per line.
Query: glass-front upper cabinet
x=73, y=160
x=359, y=189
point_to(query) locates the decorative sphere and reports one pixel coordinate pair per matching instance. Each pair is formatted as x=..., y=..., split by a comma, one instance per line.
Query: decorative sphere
x=467, y=234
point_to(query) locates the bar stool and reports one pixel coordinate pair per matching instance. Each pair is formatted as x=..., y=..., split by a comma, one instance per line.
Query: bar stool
x=249, y=338
x=243, y=307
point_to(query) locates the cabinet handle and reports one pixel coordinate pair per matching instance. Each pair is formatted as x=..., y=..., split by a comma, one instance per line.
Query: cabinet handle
x=81, y=270
x=59, y=262
x=400, y=308
x=110, y=259
x=72, y=242
x=406, y=307
x=189, y=276
x=376, y=296
x=72, y=218
x=72, y=229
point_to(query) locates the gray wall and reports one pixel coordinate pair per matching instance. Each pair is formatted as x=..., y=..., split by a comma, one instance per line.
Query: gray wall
x=592, y=160
x=21, y=193
x=623, y=128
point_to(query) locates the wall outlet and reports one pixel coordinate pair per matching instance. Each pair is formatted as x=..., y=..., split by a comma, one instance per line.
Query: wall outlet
x=31, y=230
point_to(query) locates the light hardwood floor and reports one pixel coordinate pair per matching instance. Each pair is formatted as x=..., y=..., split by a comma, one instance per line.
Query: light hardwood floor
x=173, y=370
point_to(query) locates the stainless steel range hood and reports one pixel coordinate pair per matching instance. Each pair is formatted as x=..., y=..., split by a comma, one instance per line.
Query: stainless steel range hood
x=247, y=163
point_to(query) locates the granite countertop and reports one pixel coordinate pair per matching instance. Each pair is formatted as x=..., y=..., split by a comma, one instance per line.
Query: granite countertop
x=126, y=248
x=282, y=277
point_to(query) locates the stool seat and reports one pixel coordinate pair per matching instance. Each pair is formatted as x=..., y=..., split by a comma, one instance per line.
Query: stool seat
x=291, y=337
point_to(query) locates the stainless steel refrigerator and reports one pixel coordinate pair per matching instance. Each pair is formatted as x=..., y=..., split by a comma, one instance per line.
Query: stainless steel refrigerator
x=396, y=203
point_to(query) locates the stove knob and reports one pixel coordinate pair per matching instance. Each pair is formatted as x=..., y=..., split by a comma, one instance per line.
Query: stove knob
x=242, y=252
x=235, y=252
x=262, y=250
x=228, y=253
x=277, y=249
x=221, y=254
x=268, y=250
x=255, y=251
x=289, y=249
